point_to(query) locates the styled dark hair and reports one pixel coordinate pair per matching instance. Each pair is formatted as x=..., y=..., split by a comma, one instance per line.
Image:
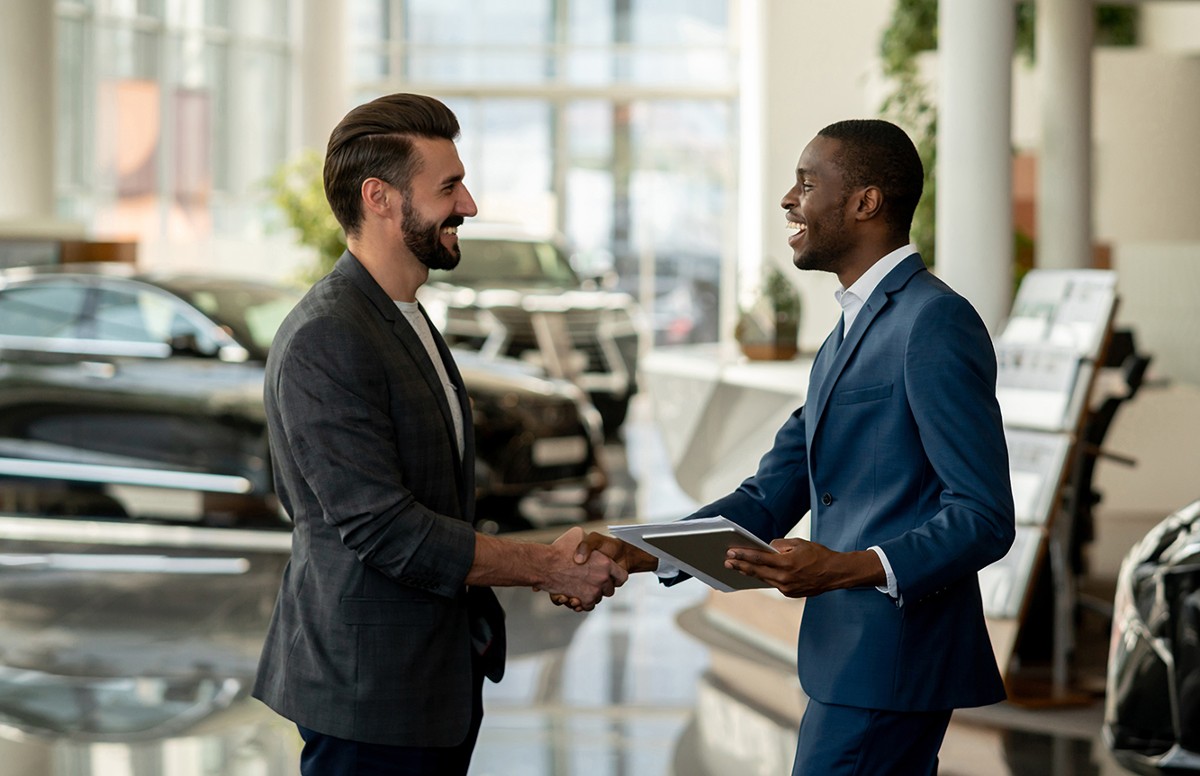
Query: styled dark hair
x=878, y=153
x=375, y=141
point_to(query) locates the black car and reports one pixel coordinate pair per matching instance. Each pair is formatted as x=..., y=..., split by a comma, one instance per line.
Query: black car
x=517, y=296
x=110, y=376
x=1152, y=698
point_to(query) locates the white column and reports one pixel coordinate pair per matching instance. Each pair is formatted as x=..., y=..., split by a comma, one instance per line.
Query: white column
x=974, y=160
x=1064, y=166
x=324, y=83
x=27, y=69
x=739, y=277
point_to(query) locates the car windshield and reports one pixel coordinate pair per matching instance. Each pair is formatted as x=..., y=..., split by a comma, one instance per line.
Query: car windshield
x=498, y=262
x=251, y=311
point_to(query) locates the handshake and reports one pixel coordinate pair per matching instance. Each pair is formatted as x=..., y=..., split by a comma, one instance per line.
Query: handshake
x=587, y=567
x=590, y=566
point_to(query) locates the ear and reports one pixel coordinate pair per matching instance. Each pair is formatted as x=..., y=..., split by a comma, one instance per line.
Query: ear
x=378, y=197
x=869, y=203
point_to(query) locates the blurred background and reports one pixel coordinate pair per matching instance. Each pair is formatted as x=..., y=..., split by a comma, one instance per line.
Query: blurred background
x=628, y=322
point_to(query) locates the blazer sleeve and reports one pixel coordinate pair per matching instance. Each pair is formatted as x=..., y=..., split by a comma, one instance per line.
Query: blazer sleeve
x=776, y=497
x=950, y=378
x=333, y=397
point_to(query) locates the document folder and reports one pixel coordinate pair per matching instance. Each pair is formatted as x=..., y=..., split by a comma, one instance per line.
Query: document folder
x=697, y=547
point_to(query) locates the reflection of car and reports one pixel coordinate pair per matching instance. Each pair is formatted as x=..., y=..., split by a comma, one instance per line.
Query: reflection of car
x=109, y=376
x=517, y=296
x=165, y=627
x=1152, y=699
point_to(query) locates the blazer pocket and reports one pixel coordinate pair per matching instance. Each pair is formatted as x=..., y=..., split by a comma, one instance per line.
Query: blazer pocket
x=859, y=395
x=386, y=611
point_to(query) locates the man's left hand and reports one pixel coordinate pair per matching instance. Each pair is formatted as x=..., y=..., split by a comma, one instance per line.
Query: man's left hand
x=801, y=568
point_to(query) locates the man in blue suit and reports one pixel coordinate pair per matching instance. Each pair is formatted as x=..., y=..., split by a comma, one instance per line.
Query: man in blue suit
x=899, y=454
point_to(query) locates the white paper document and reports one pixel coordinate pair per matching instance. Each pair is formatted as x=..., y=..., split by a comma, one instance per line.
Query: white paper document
x=697, y=547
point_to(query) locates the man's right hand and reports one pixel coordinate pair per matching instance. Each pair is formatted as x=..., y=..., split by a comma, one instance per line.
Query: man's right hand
x=626, y=556
x=580, y=582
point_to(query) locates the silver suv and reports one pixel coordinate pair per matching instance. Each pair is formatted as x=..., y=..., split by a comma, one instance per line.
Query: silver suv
x=517, y=295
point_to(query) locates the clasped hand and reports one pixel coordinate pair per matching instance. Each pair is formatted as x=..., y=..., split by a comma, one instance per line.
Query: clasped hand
x=578, y=582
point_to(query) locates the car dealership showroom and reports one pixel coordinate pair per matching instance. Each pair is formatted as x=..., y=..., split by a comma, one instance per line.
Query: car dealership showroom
x=648, y=292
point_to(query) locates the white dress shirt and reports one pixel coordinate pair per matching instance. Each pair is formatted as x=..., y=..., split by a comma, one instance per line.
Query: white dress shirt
x=852, y=299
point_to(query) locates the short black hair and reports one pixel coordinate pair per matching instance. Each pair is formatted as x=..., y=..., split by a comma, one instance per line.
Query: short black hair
x=374, y=140
x=878, y=153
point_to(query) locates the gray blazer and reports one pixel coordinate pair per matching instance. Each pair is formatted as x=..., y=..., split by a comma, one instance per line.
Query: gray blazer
x=374, y=632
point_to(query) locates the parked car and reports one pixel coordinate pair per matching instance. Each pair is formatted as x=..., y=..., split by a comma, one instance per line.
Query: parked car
x=1152, y=698
x=516, y=295
x=108, y=375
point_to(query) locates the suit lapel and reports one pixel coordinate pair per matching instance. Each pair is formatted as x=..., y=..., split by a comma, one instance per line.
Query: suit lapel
x=823, y=381
x=419, y=357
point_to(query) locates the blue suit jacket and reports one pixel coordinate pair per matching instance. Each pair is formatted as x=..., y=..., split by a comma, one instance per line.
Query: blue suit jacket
x=900, y=445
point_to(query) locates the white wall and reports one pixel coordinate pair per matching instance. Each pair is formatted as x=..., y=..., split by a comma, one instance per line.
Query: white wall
x=1170, y=26
x=821, y=66
x=1147, y=146
x=1158, y=283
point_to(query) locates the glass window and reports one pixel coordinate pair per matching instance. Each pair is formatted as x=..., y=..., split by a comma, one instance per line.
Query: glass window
x=251, y=313
x=507, y=149
x=171, y=114
x=74, y=103
x=639, y=174
x=41, y=310
x=473, y=22
x=478, y=41
x=590, y=184
x=142, y=316
x=270, y=19
x=118, y=316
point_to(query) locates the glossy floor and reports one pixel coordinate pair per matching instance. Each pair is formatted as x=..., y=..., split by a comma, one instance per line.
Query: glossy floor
x=130, y=653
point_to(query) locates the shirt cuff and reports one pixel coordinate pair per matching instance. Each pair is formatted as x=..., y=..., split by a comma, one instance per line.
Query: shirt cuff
x=890, y=588
x=666, y=570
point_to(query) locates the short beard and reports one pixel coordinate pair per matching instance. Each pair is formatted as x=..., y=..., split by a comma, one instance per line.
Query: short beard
x=423, y=238
x=819, y=260
x=828, y=253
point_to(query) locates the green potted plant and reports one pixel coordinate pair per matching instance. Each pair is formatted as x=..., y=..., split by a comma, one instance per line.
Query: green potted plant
x=768, y=329
x=298, y=190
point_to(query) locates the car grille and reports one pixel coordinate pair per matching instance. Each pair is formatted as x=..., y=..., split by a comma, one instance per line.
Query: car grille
x=583, y=330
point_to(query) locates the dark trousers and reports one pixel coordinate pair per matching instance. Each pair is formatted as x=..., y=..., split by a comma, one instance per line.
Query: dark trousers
x=847, y=741
x=330, y=756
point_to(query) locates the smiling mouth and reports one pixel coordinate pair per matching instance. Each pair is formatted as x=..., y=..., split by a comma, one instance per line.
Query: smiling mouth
x=797, y=230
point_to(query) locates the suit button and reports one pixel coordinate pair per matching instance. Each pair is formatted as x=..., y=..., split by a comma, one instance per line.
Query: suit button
x=826, y=499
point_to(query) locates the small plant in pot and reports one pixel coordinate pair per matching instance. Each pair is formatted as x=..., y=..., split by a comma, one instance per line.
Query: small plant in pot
x=768, y=329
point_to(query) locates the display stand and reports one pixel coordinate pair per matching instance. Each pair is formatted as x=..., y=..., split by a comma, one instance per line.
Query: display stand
x=1047, y=357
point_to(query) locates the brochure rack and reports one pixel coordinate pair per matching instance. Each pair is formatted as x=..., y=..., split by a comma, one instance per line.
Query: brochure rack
x=1047, y=358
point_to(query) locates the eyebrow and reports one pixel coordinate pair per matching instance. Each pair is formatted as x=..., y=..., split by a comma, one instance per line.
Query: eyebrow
x=449, y=179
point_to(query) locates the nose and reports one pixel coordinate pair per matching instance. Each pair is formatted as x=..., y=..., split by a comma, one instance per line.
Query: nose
x=466, y=204
x=790, y=199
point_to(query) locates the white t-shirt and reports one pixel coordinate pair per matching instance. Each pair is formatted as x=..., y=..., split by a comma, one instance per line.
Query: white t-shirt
x=420, y=325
